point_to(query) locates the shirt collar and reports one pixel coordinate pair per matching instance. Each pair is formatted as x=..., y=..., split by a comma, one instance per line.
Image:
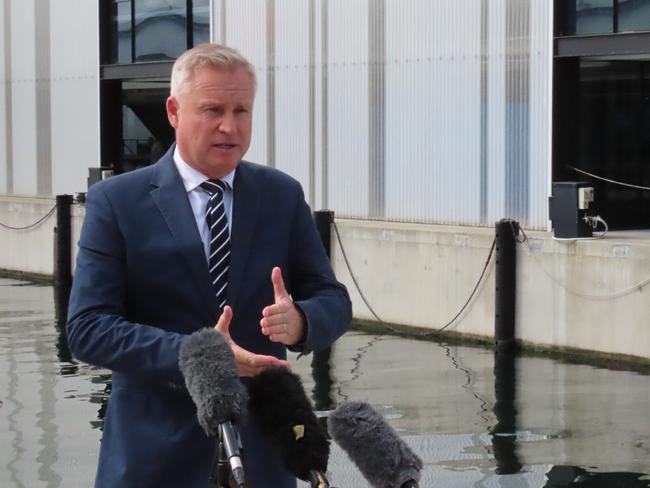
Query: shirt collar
x=193, y=178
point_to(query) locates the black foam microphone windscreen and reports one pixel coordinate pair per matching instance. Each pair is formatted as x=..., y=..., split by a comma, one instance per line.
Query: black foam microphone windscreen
x=211, y=376
x=286, y=417
x=384, y=459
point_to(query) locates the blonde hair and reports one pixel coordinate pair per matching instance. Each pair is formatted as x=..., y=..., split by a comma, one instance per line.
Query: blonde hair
x=206, y=54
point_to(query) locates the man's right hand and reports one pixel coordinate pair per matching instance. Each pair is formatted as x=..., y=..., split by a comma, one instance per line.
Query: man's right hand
x=248, y=363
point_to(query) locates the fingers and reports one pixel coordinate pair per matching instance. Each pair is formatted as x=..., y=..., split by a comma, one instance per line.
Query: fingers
x=250, y=364
x=279, y=333
x=275, y=321
x=223, y=324
x=279, y=291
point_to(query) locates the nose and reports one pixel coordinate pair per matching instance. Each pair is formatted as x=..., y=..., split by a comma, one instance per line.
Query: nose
x=227, y=123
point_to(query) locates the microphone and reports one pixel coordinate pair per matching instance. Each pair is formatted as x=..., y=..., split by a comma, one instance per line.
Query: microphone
x=286, y=417
x=211, y=377
x=384, y=459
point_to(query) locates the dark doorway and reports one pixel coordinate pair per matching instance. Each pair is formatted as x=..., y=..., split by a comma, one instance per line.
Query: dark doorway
x=137, y=131
x=602, y=126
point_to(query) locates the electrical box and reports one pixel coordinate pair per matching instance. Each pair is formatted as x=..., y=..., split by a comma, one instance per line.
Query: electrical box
x=98, y=174
x=568, y=208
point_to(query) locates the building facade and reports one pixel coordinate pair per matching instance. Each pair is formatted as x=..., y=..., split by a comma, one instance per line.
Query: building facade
x=419, y=123
x=432, y=112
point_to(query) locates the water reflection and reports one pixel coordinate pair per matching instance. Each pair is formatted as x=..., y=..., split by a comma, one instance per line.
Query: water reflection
x=504, y=433
x=564, y=476
x=61, y=298
x=476, y=418
x=321, y=373
x=12, y=407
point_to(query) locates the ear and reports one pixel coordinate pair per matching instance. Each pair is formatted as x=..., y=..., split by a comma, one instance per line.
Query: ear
x=172, y=111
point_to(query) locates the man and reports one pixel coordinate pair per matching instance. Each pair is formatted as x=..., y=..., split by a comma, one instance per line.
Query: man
x=146, y=278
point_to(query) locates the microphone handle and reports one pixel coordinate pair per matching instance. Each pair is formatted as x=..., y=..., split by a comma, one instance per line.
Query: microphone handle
x=230, y=443
x=318, y=479
x=219, y=478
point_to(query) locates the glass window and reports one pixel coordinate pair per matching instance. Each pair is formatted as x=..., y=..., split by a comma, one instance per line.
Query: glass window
x=633, y=15
x=201, y=21
x=160, y=29
x=146, y=133
x=594, y=16
x=136, y=141
x=120, y=32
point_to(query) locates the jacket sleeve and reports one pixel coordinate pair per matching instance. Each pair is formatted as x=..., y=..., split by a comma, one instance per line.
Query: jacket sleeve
x=98, y=332
x=316, y=292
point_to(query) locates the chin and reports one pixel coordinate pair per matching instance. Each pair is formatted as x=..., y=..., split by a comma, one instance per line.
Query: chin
x=219, y=169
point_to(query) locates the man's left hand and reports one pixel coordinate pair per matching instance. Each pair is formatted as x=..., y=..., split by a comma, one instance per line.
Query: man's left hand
x=282, y=321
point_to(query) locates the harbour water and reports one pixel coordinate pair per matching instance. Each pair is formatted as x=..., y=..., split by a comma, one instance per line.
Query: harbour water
x=475, y=419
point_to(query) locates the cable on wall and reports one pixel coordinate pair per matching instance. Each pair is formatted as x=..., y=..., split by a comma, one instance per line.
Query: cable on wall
x=620, y=183
x=374, y=314
x=609, y=296
x=34, y=225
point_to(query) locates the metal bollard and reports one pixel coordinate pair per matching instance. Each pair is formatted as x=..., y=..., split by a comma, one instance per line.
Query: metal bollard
x=63, y=253
x=320, y=363
x=324, y=220
x=505, y=283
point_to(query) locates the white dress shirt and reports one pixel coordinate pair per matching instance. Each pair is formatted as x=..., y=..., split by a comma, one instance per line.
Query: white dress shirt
x=198, y=197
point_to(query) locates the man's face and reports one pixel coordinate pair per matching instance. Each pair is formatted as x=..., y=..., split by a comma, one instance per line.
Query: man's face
x=213, y=118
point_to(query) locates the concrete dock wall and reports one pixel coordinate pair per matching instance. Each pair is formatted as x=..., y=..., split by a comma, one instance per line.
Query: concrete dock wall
x=27, y=247
x=589, y=295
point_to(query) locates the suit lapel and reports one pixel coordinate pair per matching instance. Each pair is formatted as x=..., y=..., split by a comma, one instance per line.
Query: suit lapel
x=170, y=196
x=245, y=211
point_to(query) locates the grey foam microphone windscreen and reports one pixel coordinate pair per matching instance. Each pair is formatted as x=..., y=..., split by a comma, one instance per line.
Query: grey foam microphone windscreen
x=212, y=379
x=384, y=459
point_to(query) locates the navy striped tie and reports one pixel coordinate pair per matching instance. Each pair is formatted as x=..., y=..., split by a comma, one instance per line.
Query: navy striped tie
x=219, y=257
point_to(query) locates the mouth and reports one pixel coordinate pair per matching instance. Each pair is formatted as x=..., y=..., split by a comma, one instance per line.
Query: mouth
x=225, y=146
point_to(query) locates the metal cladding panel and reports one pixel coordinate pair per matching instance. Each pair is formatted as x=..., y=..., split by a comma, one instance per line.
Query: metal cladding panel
x=23, y=81
x=319, y=100
x=245, y=29
x=517, y=108
x=5, y=131
x=347, y=125
x=496, y=114
x=292, y=90
x=541, y=66
x=433, y=111
x=519, y=63
x=74, y=95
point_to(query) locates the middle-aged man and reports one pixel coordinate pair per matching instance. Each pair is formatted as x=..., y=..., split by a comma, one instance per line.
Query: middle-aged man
x=147, y=276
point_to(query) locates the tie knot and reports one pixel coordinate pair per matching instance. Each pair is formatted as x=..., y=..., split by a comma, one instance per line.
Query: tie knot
x=214, y=186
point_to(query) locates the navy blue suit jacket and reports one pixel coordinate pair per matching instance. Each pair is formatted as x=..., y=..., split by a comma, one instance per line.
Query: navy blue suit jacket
x=142, y=285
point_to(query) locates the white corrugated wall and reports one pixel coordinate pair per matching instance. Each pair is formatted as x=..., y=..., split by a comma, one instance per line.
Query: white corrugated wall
x=49, y=96
x=417, y=111
x=433, y=111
